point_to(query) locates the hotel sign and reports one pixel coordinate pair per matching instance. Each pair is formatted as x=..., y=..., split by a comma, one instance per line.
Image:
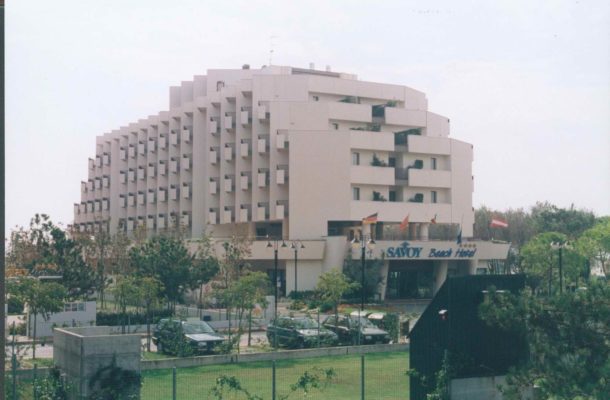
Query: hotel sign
x=442, y=251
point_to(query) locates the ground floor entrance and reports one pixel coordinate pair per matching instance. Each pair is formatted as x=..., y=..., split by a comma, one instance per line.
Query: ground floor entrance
x=410, y=279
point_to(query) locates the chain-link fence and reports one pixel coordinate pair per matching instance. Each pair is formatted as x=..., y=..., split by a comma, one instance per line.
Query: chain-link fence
x=368, y=376
x=371, y=376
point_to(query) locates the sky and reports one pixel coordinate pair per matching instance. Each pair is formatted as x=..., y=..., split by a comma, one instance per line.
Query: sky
x=526, y=82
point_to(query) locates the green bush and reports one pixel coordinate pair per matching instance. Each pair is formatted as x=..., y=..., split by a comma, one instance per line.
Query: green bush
x=105, y=318
x=18, y=329
x=15, y=305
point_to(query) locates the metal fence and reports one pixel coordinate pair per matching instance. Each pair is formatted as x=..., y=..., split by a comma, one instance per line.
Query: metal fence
x=367, y=376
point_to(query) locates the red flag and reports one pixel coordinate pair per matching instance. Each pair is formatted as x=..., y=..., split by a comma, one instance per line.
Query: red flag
x=404, y=223
x=433, y=220
x=371, y=219
x=498, y=223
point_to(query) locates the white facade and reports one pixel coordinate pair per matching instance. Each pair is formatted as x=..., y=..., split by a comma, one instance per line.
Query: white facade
x=294, y=153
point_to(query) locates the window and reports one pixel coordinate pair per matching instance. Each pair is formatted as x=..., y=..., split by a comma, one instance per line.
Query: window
x=355, y=158
x=392, y=195
x=316, y=98
x=433, y=162
x=433, y=196
x=335, y=126
x=392, y=162
x=355, y=193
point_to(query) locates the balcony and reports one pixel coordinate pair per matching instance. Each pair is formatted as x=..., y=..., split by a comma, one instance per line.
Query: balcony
x=161, y=221
x=151, y=196
x=429, y=145
x=213, y=127
x=262, y=212
x=141, y=173
x=281, y=209
x=142, y=149
x=429, y=178
x=185, y=219
x=213, y=187
x=404, y=117
x=263, y=144
x=227, y=215
x=150, y=222
x=230, y=121
x=214, y=155
x=162, y=142
x=245, y=182
x=262, y=112
x=245, y=118
x=281, y=140
x=152, y=145
x=369, y=175
x=228, y=184
x=213, y=216
x=186, y=191
x=151, y=170
x=263, y=179
x=162, y=195
x=186, y=162
x=228, y=152
x=187, y=134
x=244, y=213
x=244, y=149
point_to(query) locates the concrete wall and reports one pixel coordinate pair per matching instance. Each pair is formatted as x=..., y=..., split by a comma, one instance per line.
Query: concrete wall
x=481, y=388
x=44, y=328
x=81, y=352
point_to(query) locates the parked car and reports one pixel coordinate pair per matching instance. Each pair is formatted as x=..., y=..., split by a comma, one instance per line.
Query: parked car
x=352, y=329
x=300, y=333
x=200, y=336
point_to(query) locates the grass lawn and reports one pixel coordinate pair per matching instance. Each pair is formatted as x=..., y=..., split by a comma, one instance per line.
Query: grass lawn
x=385, y=378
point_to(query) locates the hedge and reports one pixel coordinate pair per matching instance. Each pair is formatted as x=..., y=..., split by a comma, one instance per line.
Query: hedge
x=105, y=318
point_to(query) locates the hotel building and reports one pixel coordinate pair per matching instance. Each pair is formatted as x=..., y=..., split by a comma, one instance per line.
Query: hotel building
x=300, y=155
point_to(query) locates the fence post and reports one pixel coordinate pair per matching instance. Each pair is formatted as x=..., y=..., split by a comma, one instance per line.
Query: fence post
x=362, y=377
x=174, y=383
x=34, y=385
x=273, y=380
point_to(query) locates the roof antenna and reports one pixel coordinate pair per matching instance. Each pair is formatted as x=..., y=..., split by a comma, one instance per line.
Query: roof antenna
x=271, y=44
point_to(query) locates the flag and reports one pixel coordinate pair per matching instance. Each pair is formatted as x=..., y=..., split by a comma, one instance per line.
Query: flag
x=498, y=223
x=459, y=237
x=371, y=219
x=404, y=223
x=433, y=220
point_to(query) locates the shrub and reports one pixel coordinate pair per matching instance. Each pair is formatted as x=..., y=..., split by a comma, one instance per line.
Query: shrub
x=105, y=318
x=17, y=329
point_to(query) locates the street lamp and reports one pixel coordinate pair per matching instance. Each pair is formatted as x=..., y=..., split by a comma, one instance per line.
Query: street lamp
x=275, y=245
x=560, y=246
x=296, y=245
x=364, y=244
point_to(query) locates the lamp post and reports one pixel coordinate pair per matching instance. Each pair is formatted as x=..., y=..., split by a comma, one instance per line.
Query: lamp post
x=275, y=245
x=296, y=245
x=363, y=243
x=560, y=246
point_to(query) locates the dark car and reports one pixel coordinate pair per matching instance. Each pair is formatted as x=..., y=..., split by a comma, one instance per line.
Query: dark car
x=351, y=330
x=300, y=333
x=171, y=333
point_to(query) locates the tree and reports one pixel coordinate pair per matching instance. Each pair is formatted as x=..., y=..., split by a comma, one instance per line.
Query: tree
x=571, y=222
x=126, y=293
x=245, y=294
x=168, y=260
x=42, y=298
x=331, y=287
x=45, y=249
x=540, y=261
x=98, y=251
x=352, y=268
x=567, y=337
x=205, y=266
x=150, y=290
x=594, y=243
